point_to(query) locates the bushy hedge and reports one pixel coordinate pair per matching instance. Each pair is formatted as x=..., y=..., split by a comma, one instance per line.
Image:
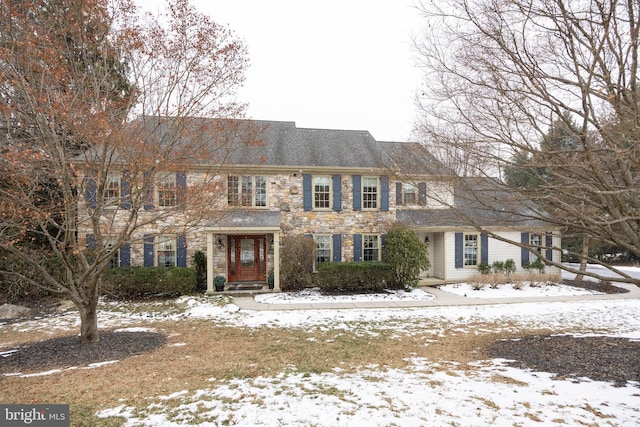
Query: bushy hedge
x=407, y=254
x=141, y=282
x=296, y=264
x=354, y=277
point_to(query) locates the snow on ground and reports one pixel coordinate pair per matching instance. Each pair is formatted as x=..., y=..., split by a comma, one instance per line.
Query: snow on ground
x=314, y=296
x=508, y=291
x=427, y=393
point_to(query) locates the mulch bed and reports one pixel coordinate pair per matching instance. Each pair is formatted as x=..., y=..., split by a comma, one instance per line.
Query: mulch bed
x=604, y=287
x=608, y=359
x=65, y=352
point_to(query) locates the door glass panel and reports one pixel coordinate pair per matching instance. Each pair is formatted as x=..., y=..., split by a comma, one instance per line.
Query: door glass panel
x=262, y=257
x=232, y=254
x=246, y=252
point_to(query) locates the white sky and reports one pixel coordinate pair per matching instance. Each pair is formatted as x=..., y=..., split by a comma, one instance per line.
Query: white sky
x=336, y=64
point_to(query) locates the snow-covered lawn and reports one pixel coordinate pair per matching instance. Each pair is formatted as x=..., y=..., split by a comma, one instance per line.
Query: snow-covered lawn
x=427, y=393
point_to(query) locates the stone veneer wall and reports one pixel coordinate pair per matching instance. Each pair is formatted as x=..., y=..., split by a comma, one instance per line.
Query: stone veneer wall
x=284, y=195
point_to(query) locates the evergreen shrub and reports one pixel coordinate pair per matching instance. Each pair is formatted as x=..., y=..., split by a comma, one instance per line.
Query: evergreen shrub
x=142, y=282
x=354, y=277
x=296, y=266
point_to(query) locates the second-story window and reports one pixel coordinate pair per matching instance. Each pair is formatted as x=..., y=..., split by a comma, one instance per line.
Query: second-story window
x=112, y=189
x=247, y=190
x=370, y=193
x=167, y=190
x=321, y=192
x=409, y=194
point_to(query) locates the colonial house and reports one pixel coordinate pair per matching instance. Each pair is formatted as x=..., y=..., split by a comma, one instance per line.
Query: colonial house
x=343, y=189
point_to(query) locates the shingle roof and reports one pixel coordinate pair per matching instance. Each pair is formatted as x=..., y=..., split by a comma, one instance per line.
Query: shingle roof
x=478, y=202
x=286, y=145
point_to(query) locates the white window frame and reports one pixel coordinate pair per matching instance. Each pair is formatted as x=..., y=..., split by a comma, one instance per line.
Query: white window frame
x=328, y=249
x=112, y=185
x=467, y=260
x=109, y=243
x=165, y=243
x=415, y=192
x=535, y=241
x=366, y=246
x=160, y=196
x=376, y=194
x=328, y=193
x=247, y=187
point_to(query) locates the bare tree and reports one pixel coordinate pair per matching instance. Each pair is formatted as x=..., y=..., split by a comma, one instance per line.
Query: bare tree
x=92, y=91
x=500, y=74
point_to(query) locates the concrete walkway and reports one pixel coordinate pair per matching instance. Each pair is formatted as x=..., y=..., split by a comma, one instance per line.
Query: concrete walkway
x=441, y=299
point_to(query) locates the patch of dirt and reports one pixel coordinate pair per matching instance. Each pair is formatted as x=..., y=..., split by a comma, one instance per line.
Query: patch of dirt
x=605, y=287
x=608, y=359
x=64, y=352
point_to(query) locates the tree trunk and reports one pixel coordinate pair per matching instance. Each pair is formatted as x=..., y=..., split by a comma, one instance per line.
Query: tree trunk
x=89, y=323
x=583, y=258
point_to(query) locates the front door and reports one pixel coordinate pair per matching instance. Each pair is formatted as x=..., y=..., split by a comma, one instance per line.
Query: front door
x=247, y=258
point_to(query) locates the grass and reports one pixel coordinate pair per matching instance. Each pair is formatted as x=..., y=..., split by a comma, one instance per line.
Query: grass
x=209, y=354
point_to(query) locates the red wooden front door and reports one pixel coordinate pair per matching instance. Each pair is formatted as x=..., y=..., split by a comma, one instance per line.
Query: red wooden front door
x=247, y=258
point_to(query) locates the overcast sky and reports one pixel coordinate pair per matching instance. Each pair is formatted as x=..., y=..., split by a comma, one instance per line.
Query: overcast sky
x=336, y=64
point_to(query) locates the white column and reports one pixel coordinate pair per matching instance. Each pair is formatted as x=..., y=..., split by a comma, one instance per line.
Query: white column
x=210, y=273
x=276, y=262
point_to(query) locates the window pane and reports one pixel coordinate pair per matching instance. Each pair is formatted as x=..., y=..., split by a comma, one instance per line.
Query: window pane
x=471, y=249
x=112, y=190
x=233, y=191
x=323, y=249
x=409, y=194
x=246, y=191
x=370, y=193
x=261, y=191
x=321, y=192
x=370, y=248
x=166, y=252
x=167, y=191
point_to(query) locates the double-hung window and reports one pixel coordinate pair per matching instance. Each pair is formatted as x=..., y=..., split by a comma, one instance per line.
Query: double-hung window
x=471, y=249
x=167, y=190
x=321, y=192
x=109, y=244
x=247, y=191
x=409, y=194
x=369, y=192
x=166, y=251
x=323, y=248
x=535, y=240
x=371, y=247
x=112, y=189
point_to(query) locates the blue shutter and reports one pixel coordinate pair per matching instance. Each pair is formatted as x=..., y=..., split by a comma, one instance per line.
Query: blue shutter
x=337, y=248
x=181, y=189
x=459, y=248
x=91, y=242
x=549, y=245
x=524, y=252
x=148, y=197
x=484, y=249
x=91, y=191
x=384, y=193
x=125, y=255
x=357, y=247
x=307, y=192
x=398, y=194
x=181, y=251
x=125, y=190
x=357, y=192
x=337, y=192
x=422, y=193
x=148, y=251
